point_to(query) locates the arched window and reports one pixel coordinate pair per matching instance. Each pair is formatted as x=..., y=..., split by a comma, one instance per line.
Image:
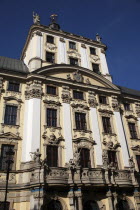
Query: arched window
x=122, y=205
x=85, y=158
x=91, y=205
x=54, y=205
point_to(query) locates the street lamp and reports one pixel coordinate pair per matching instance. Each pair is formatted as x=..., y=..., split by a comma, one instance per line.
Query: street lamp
x=10, y=153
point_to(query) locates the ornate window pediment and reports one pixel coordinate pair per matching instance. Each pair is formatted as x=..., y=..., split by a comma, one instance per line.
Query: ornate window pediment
x=11, y=98
x=9, y=136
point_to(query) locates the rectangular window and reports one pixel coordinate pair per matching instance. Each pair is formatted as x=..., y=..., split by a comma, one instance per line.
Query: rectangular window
x=4, y=149
x=127, y=106
x=51, y=90
x=92, y=51
x=95, y=68
x=78, y=95
x=85, y=158
x=106, y=125
x=138, y=161
x=52, y=117
x=13, y=86
x=73, y=61
x=72, y=45
x=50, y=39
x=52, y=156
x=10, y=115
x=80, y=119
x=112, y=159
x=133, y=131
x=102, y=100
x=50, y=57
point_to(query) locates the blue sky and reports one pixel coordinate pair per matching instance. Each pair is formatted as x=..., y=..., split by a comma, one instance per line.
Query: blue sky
x=117, y=21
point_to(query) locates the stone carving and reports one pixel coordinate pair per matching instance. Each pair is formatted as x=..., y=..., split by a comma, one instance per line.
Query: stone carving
x=98, y=38
x=74, y=53
x=77, y=76
x=52, y=139
x=131, y=162
x=83, y=45
x=36, y=19
x=36, y=156
x=136, y=148
x=105, y=111
x=62, y=39
x=73, y=163
x=80, y=105
x=65, y=94
x=131, y=116
x=88, y=81
x=115, y=104
x=68, y=77
x=51, y=46
x=92, y=99
x=110, y=145
x=95, y=58
x=33, y=89
x=105, y=159
x=137, y=106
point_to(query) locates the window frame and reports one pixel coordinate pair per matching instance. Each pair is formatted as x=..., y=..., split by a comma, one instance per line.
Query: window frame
x=92, y=48
x=78, y=91
x=124, y=104
x=17, y=114
x=49, y=37
x=71, y=43
x=56, y=119
x=136, y=131
x=138, y=164
x=96, y=64
x=81, y=127
x=57, y=154
x=12, y=81
x=116, y=162
x=53, y=54
x=99, y=97
x=52, y=86
x=72, y=58
x=111, y=130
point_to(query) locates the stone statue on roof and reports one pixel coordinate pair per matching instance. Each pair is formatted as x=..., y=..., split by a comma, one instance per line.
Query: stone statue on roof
x=36, y=19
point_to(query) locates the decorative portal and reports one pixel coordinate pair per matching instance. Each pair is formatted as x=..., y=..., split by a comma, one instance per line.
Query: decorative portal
x=54, y=205
x=91, y=205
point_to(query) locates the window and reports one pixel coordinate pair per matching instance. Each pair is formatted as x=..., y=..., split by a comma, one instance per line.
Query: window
x=92, y=51
x=80, y=119
x=51, y=117
x=106, y=124
x=51, y=90
x=50, y=39
x=2, y=205
x=78, y=95
x=84, y=158
x=127, y=106
x=138, y=161
x=13, y=86
x=4, y=149
x=95, y=68
x=52, y=156
x=72, y=45
x=10, y=115
x=102, y=100
x=50, y=57
x=112, y=159
x=133, y=131
x=74, y=61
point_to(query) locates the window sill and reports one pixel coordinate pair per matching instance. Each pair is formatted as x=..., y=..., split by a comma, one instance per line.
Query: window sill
x=86, y=131
x=135, y=139
x=9, y=125
x=57, y=127
x=111, y=134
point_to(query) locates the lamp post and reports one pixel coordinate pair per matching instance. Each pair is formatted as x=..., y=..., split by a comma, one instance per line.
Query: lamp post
x=10, y=153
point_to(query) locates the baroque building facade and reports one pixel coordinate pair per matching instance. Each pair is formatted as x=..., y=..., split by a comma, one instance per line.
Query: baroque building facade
x=75, y=134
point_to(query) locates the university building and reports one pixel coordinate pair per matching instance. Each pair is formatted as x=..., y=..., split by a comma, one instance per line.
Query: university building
x=74, y=135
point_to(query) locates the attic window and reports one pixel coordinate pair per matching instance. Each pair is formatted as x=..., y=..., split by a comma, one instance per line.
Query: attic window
x=50, y=39
x=92, y=51
x=72, y=45
x=50, y=57
x=13, y=86
x=95, y=68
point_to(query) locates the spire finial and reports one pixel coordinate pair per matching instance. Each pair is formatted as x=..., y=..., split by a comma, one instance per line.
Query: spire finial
x=53, y=18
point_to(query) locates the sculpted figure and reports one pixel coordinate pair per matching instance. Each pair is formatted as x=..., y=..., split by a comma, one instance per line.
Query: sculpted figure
x=36, y=156
x=36, y=19
x=131, y=162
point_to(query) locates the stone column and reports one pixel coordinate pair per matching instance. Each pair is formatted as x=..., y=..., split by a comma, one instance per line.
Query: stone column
x=120, y=132
x=78, y=194
x=71, y=199
x=32, y=120
x=109, y=195
x=36, y=51
x=95, y=128
x=67, y=129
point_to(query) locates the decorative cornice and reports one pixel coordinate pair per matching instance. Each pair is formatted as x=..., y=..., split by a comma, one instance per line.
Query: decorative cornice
x=105, y=111
x=33, y=90
x=66, y=97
